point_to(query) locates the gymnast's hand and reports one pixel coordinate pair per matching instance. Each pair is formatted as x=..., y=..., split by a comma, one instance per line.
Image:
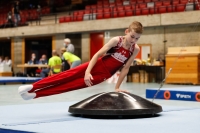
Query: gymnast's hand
x=88, y=77
x=119, y=90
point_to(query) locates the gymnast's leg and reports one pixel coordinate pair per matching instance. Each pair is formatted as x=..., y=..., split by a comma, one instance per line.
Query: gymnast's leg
x=76, y=81
x=99, y=75
x=56, y=79
x=70, y=86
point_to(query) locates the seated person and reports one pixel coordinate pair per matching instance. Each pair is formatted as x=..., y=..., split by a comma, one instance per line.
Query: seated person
x=2, y=60
x=8, y=61
x=55, y=65
x=42, y=61
x=31, y=72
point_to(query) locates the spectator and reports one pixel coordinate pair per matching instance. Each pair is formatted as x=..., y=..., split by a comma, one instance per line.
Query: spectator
x=39, y=9
x=43, y=60
x=1, y=60
x=8, y=61
x=55, y=63
x=16, y=13
x=44, y=70
x=72, y=59
x=33, y=59
x=31, y=72
x=9, y=19
x=69, y=47
x=65, y=64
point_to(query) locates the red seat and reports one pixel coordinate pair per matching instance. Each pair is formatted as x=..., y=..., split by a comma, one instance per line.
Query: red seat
x=87, y=11
x=34, y=10
x=175, y=2
x=43, y=11
x=121, y=13
x=120, y=8
x=27, y=15
x=100, y=10
x=75, y=13
x=106, y=5
x=197, y=7
x=114, y=9
x=170, y=8
x=94, y=11
x=132, y=2
x=61, y=19
x=81, y=12
x=87, y=7
x=162, y=9
x=105, y=2
x=183, y=1
x=93, y=6
x=138, y=12
x=112, y=4
x=140, y=1
x=34, y=16
x=23, y=20
x=180, y=7
x=145, y=11
x=129, y=13
x=142, y=5
x=158, y=3
x=99, y=16
x=119, y=3
x=47, y=10
x=106, y=9
x=99, y=2
x=114, y=14
x=128, y=7
x=166, y=3
x=79, y=18
x=68, y=18
x=74, y=18
x=152, y=10
x=1, y=22
x=134, y=7
x=147, y=1
x=106, y=15
x=99, y=6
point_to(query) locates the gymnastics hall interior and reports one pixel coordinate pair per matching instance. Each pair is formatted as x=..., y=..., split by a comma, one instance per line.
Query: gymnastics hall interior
x=165, y=72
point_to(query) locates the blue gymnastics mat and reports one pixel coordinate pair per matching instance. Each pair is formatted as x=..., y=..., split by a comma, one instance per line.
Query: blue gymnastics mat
x=54, y=118
x=22, y=80
x=184, y=93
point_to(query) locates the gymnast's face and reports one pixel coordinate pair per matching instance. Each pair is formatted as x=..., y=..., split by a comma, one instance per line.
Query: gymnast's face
x=132, y=37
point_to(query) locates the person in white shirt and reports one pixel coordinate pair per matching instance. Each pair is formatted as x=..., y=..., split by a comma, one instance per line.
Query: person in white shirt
x=7, y=61
x=69, y=47
x=2, y=60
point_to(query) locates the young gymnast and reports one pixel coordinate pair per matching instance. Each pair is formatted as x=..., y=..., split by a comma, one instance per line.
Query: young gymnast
x=119, y=52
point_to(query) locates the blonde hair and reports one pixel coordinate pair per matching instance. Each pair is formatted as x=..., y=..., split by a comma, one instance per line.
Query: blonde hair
x=67, y=40
x=136, y=26
x=63, y=49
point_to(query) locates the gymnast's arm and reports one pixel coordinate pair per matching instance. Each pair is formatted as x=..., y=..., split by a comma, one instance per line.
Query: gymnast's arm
x=125, y=69
x=111, y=43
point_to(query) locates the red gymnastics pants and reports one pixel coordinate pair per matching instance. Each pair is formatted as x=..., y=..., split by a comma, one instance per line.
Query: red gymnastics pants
x=69, y=80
